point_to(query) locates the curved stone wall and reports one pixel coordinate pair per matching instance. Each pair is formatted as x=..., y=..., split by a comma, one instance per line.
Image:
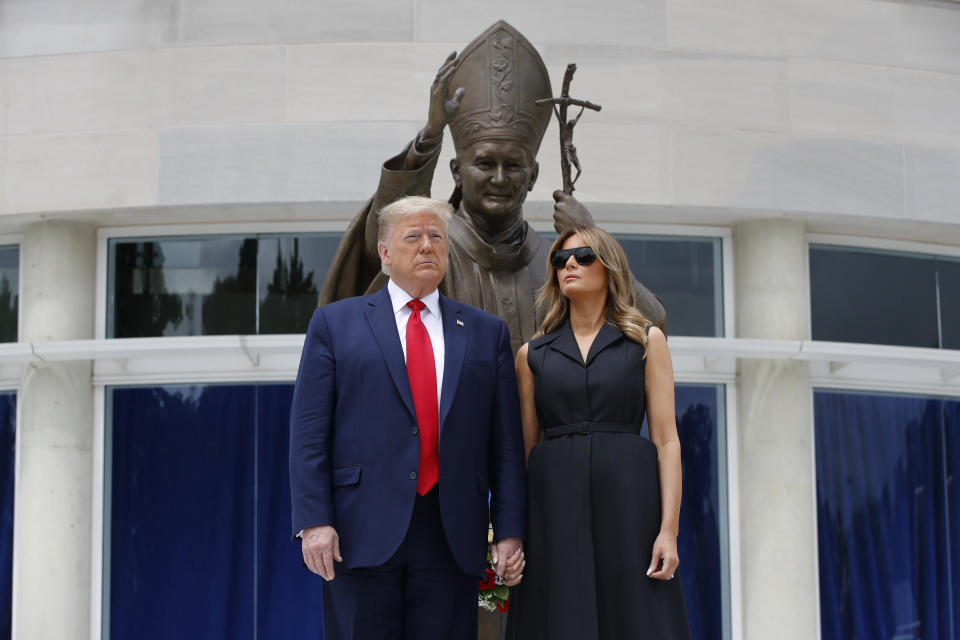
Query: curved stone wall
x=831, y=111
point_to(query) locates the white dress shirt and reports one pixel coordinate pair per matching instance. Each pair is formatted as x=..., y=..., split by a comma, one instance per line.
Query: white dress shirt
x=430, y=316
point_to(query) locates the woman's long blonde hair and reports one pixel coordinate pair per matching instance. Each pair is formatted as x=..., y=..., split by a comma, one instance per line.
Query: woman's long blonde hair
x=621, y=297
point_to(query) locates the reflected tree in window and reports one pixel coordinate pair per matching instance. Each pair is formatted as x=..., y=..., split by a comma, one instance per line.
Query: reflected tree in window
x=291, y=294
x=228, y=309
x=144, y=307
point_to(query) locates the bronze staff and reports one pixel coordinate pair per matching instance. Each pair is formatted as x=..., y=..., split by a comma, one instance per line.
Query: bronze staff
x=568, y=152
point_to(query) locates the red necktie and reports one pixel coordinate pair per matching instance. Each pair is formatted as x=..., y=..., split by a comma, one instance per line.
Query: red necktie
x=422, y=373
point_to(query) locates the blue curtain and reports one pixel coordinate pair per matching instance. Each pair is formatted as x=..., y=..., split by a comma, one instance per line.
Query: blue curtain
x=883, y=516
x=200, y=517
x=288, y=596
x=951, y=448
x=698, y=410
x=8, y=430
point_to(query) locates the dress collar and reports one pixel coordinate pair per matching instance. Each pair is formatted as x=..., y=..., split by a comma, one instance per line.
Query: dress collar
x=562, y=340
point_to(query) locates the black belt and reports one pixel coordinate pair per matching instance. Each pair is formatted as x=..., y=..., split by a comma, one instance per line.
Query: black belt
x=585, y=428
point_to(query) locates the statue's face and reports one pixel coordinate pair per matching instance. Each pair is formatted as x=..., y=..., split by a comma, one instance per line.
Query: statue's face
x=495, y=177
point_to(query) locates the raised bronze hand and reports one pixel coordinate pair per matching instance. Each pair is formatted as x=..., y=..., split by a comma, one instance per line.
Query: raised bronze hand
x=442, y=109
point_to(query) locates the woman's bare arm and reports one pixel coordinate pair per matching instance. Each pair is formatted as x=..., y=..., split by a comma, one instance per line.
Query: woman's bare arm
x=532, y=433
x=661, y=417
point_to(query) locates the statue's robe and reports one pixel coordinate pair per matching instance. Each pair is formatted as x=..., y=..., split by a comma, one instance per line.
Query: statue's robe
x=502, y=280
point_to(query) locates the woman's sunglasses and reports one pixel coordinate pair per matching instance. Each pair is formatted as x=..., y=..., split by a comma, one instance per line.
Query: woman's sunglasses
x=583, y=255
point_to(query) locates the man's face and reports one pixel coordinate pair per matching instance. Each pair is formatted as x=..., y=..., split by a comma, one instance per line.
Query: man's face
x=416, y=252
x=495, y=177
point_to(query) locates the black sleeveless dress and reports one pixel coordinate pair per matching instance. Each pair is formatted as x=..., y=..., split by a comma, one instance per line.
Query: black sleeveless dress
x=593, y=500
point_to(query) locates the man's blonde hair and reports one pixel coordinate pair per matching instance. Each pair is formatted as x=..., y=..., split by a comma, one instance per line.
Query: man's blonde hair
x=388, y=216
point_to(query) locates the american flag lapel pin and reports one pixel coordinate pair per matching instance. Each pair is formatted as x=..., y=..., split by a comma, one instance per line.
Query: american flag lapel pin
x=460, y=322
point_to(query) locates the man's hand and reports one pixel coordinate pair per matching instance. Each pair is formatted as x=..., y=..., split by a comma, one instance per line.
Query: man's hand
x=569, y=213
x=441, y=109
x=321, y=546
x=508, y=560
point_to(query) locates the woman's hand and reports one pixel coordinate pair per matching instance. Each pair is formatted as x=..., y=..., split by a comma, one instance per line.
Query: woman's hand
x=664, y=563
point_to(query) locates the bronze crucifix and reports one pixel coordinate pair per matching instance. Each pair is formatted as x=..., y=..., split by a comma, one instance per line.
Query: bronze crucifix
x=568, y=152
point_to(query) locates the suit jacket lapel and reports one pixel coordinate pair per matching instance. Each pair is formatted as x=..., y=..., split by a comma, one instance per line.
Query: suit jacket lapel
x=384, y=326
x=454, y=347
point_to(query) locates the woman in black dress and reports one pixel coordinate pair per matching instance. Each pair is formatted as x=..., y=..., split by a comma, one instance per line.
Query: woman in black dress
x=604, y=501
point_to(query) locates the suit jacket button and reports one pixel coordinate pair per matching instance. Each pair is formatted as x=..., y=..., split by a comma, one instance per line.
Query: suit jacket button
x=413, y=475
x=415, y=431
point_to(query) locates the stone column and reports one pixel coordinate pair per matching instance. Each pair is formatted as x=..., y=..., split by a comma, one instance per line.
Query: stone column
x=52, y=516
x=777, y=483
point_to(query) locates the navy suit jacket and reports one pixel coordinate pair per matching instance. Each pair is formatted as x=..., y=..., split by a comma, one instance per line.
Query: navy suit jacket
x=353, y=444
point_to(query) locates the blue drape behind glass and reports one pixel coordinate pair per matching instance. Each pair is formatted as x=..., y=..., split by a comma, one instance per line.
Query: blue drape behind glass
x=882, y=516
x=699, y=541
x=288, y=596
x=201, y=510
x=8, y=429
x=951, y=441
x=699, y=546
x=201, y=515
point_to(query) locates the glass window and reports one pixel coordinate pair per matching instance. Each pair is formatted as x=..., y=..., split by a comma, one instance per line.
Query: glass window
x=216, y=285
x=9, y=292
x=883, y=297
x=183, y=287
x=951, y=449
x=292, y=271
x=8, y=426
x=198, y=517
x=948, y=280
x=888, y=559
x=686, y=274
x=703, y=543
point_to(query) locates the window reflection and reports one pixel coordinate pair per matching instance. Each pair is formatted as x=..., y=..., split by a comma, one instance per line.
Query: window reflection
x=292, y=272
x=871, y=296
x=271, y=283
x=686, y=274
x=216, y=285
x=948, y=280
x=9, y=292
x=183, y=286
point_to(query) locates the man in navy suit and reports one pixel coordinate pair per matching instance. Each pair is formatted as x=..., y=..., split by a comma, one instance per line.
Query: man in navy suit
x=405, y=415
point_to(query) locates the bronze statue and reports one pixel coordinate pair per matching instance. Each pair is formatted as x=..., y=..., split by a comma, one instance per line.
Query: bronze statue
x=496, y=261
